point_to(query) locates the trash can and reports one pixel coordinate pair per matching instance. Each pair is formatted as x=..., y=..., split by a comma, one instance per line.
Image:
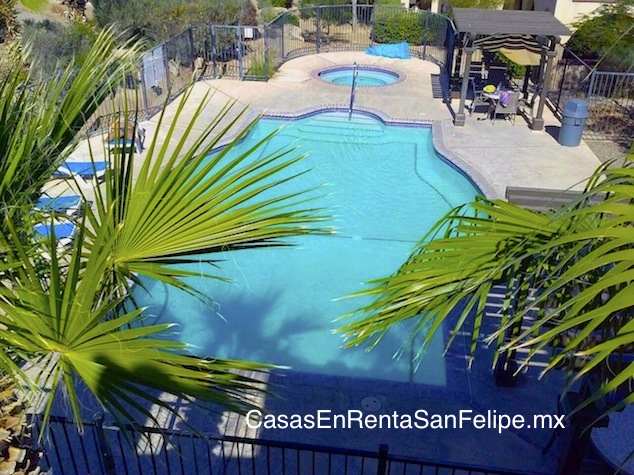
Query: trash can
x=573, y=121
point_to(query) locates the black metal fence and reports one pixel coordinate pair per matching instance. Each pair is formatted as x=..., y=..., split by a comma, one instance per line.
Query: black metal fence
x=569, y=80
x=255, y=52
x=122, y=450
x=324, y=29
x=610, y=95
x=611, y=101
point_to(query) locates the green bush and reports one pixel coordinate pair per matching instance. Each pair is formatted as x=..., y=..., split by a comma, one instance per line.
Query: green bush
x=515, y=70
x=282, y=3
x=398, y=27
x=605, y=37
x=291, y=20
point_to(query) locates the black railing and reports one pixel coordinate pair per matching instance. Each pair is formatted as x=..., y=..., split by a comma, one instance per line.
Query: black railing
x=124, y=450
x=255, y=52
x=355, y=73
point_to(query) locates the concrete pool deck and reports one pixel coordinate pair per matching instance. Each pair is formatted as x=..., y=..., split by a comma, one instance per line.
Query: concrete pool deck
x=502, y=154
x=497, y=156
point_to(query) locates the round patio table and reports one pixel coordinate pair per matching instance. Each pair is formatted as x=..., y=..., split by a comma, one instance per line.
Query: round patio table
x=615, y=443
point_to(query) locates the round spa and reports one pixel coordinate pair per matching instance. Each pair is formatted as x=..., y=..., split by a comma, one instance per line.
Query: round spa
x=366, y=76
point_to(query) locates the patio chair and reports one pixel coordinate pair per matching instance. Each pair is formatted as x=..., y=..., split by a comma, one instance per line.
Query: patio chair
x=83, y=170
x=69, y=205
x=124, y=135
x=64, y=231
x=476, y=94
x=508, y=110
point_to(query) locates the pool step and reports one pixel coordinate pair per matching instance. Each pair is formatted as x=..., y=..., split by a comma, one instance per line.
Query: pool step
x=338, y=124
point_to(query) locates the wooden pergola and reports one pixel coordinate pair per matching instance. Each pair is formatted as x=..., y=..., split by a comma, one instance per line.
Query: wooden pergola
x=474, y=23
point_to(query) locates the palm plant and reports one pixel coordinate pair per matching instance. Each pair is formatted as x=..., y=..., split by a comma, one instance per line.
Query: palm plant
x=64, y=321
x=568, y=277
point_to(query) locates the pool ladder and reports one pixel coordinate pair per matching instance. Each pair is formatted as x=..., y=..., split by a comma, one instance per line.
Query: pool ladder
x=355, y=72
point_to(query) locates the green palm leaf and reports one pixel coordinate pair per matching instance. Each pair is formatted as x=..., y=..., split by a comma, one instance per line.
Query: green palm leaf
x=568, y=276
x=65, y=316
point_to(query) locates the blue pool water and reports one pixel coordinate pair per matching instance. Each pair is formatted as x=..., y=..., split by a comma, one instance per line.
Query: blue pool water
x=386, y=188
x=365, y=76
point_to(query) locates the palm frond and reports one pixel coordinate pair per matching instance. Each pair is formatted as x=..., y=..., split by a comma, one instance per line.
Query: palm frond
x=568, y=277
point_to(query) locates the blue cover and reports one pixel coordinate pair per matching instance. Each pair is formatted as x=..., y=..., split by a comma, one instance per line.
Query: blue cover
x=83, y=169
x=396, y=50
x=62, y=230
x=58, y=204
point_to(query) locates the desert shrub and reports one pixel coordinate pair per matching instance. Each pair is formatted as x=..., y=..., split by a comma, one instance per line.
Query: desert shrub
x=282, y=3
x=159, y=20
x=328, y=16
x=485, y=4
x=396, y=27
x=50, y=45
x=262, y=68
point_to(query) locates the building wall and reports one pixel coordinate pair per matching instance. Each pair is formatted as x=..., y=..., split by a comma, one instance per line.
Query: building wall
x=570, y=11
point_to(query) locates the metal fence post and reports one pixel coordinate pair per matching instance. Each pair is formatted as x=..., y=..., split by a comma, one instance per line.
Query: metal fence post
x=450, y=45
x=561, y=85
x=144, y=89
x=105, y=453
x=382, y=464
x=591, y=86
x=318, y=30
x=426, y=35
x=191, y=47
x=212, y=46
x=372, y=23
x=166, y=67
x=240, y=41
x=283, y=52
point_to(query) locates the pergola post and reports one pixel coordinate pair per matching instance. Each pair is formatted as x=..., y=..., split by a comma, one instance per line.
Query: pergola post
x=460, y=115
x=538, y=121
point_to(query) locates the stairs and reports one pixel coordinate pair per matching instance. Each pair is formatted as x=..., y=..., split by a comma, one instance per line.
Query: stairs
x=358, y=128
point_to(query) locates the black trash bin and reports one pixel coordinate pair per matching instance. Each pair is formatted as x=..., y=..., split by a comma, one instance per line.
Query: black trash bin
x=573, y=121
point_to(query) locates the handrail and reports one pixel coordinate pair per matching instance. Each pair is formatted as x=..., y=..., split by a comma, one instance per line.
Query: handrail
x=355, y=72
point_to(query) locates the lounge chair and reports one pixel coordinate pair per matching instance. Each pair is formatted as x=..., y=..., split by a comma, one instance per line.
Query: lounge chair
x=125, y=135
x=507, y=110
x=69, y=205
x=85, y=170
x=64, y=231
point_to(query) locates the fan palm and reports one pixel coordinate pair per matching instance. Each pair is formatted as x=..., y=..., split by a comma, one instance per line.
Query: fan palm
x=65, y=313
x=568, y=277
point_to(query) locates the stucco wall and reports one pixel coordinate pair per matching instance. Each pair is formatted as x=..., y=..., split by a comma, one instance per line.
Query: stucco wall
x=569, y=12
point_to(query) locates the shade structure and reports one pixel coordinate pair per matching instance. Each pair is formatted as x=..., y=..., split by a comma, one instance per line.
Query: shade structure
x=518, y=42
x=521, y=56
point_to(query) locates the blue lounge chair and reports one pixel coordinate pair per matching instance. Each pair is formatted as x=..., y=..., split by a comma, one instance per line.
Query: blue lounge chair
x=82, y=169
x=64, y=231
x=59, y=204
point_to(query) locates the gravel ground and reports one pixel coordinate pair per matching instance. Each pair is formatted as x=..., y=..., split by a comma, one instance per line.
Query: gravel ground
x=607, y=150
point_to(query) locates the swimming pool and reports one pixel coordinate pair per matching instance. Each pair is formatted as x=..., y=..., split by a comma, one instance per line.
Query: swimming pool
x=366, y=76
x=386, y=188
